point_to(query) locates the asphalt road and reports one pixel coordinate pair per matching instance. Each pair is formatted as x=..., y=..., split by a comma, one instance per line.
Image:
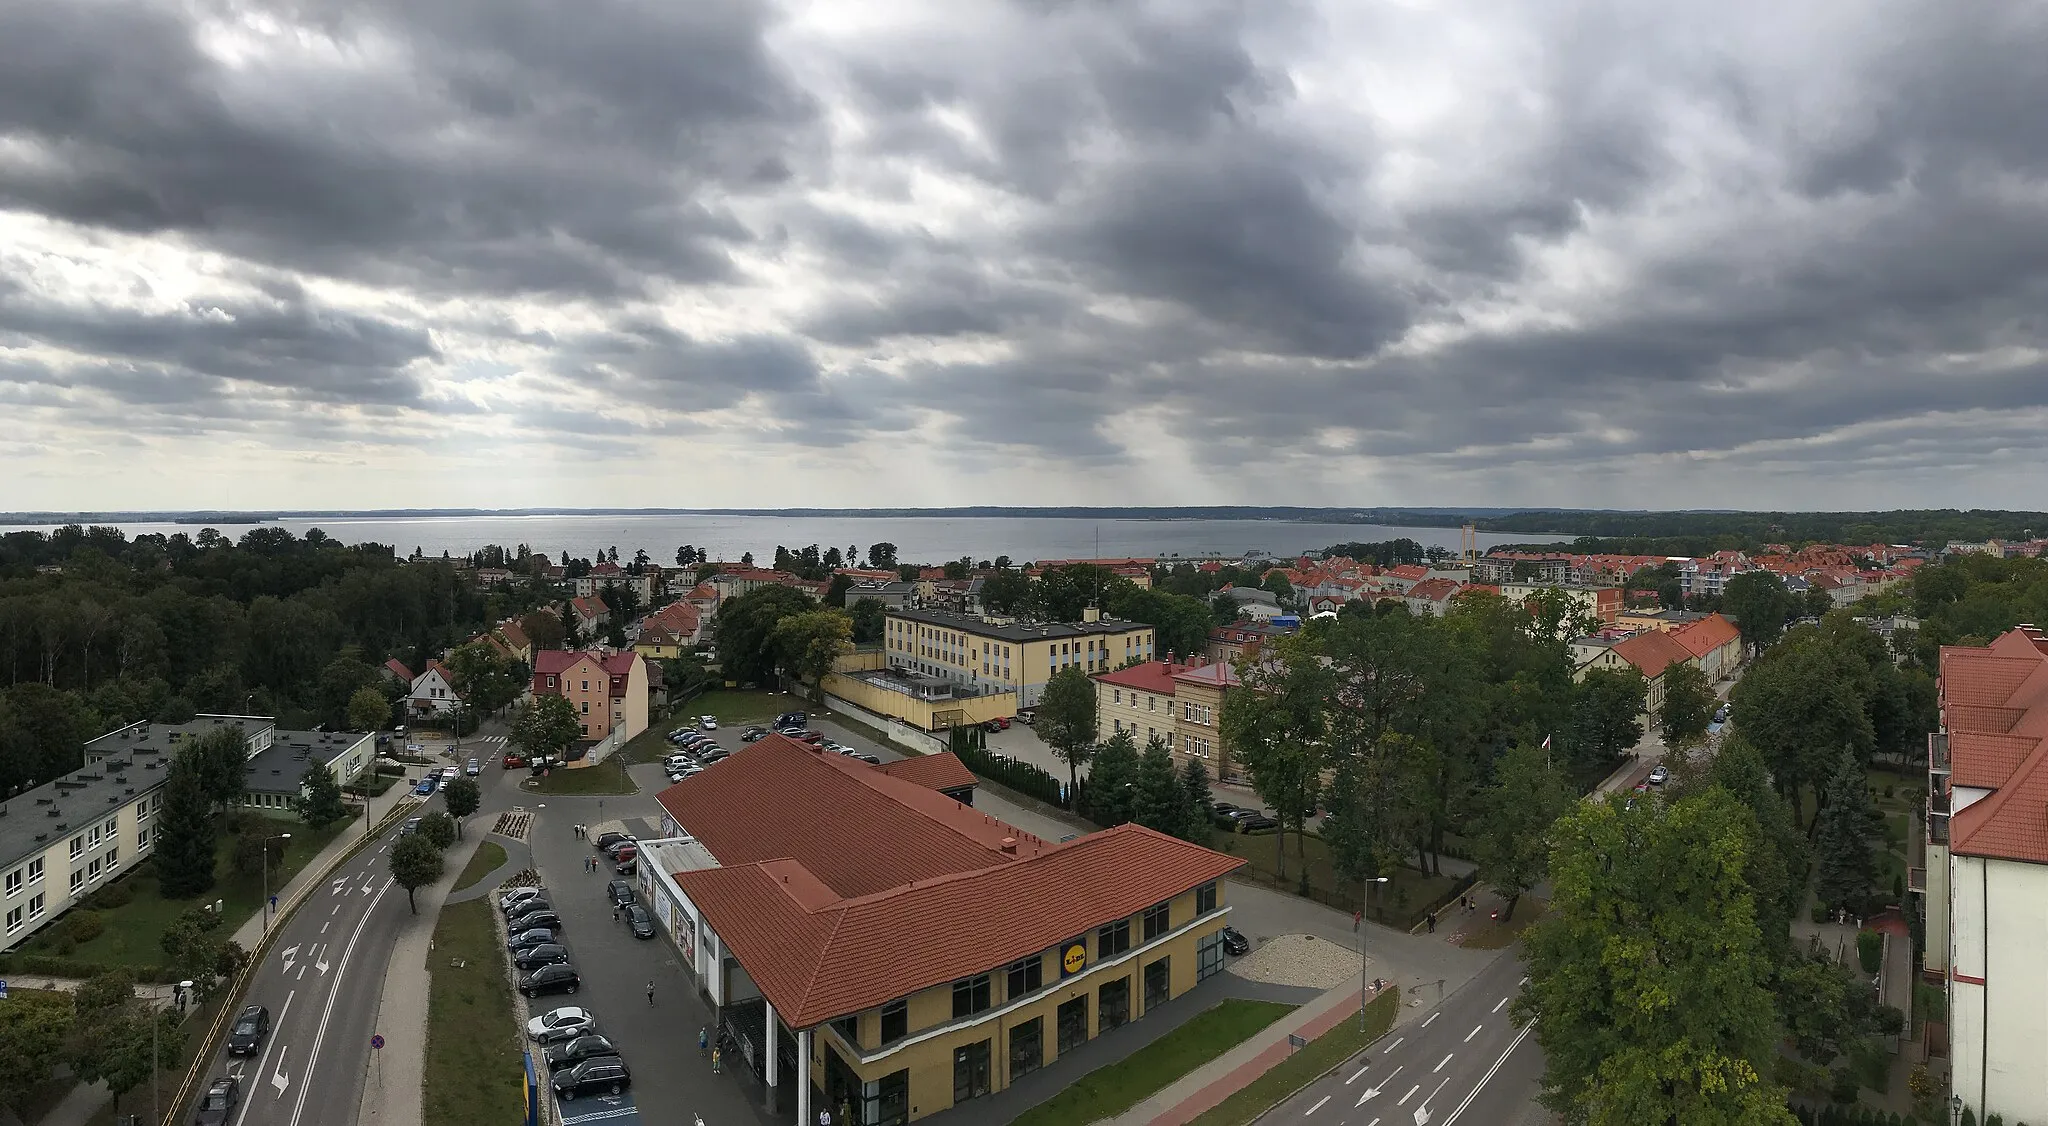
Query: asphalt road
x=1464, y=1062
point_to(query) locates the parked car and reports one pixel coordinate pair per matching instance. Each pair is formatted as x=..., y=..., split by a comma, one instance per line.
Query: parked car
x=621, y=893
x=546, y=919
x=575, y=753
x=999, y=723
x=871, y=760
x=251, y=1025
x=450, y=773
x=1659, y=775
x=411, y=826
x=514, y=895
x=473, y=768
x=708, y=722
x=640, y=921
x=546, y=954
x=600, y=1075
x=512, y=759
x=792, y=719
x=1256, y=823
x=627, y=868
x=426, y=786
x=1027, y=716
x=626, y=852
x=753, y=733
x=219, y=1101
x=715, y=756
x=812, y=737
x=528, y=939
x=1235, y=944
x=557, y=978
x=577, y=1022
x=607, y=840
x=573, y=1052
x=527, y=906
x=1721, y=714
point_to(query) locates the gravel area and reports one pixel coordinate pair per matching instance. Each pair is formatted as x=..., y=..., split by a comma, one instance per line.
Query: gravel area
x=1299, y=959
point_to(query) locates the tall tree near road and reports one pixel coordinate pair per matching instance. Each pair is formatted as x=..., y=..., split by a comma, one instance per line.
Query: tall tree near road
x=1277, y=724
x=1159, y=802
x=220, y=758
x=870, y=620
x=438, y=828
x=1760, y=605
x=806, y=644
x=368, y=710
x=485, y=677
x=1648, y=982
x=1528, y=795
x=544, y=630
x=1689, y=704
x=1113, y=781
x=1609, y=705
x=1777, y=869
x=184, y=856
x=321, y=804
x=1067, y=720
x=462, y=796
x=546, y=726
x=746, y=630
x=415, y=863
x=1798, y=705
x=1196, y=804
x=35, y=1032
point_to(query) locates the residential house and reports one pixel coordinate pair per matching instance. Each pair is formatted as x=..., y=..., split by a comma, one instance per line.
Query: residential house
x=961, y=596
x=667, y=632
x=1649, y=654
x=1714, y=644
x=1708, y=577
x=1431, y=597
x=1241, y=640
x=893, y=595
x=1181, y=704
x=1403, y=578
x=1254, y=603
x=1987, y=872
x=607, y=688
x=591, y=615
x=433, y=692
x=1653, y=620
x=395, y=671
x=1601, y=603
x=991, y=656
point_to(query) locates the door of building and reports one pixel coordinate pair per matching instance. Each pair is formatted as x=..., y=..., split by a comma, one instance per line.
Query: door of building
x=971, y=1071
x=1114, y=1007
x=1158, y=982
x=1027, y=1048
x=1073, y=1018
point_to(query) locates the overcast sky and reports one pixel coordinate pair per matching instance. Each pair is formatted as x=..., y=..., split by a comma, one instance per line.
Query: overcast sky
x=731, y=253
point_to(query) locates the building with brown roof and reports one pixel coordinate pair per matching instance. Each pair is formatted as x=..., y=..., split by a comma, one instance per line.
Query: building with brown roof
x=1648, y=653
x=1987, y=869
x=1179, y=703
x=608, y=689
x=1715, y=645
x=908, y=952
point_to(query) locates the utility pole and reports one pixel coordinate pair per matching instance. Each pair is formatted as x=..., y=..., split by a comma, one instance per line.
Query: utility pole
x=1364, y=982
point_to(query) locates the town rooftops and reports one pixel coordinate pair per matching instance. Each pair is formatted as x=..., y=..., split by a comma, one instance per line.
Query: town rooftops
x=1160, y=677
x=1651, y=652
x=941, y=772
x=1994, y=702
x=37, y=818
x=1706, y=635
x=281, y=767
x=397, y=668
x=1015, y=631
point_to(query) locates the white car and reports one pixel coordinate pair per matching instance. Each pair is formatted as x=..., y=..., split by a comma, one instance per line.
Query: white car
x=519, y=895
x=708, y=722
x=451, y=773
x=558, y=1018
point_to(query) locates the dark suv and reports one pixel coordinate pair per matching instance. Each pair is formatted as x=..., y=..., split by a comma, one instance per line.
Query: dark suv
x=546, y=954
x=578, y=1050
x=558, y=978
x=251, y=1025
x=598, y=1075
x=622, y=893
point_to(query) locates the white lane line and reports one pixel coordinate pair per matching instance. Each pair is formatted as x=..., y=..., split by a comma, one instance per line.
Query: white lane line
x=1524, y=981
x=1474, y=1032
x=265, y=1060
x=330, y=922
x=1356, y=1074
x=1440, y=1063
x=333, y=994
x=1499, y=1003
x=1409, y=1095
x=301, y=975
x=1398, y=1040
x=1431, y=1020
x=1317, y=1107
x=1374, y=1122
x=1489, y=1074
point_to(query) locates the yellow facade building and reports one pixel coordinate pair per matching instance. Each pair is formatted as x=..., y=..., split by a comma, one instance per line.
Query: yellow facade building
x=990, y=655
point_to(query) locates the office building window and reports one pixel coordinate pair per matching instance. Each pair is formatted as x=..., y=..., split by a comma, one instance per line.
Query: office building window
x=14, y=883
x=77, y=847
x=113, y=858
x=1155, y=921
x=92, y=837
x=895, y=1021
x=1113, y=939
x=1026, y=976
x=14, y=920
x=141, y=839
x=970, y=996
x=35, y=907
x=1209, y=957
x=35, y=870
x=1205, y=898
x=112, y=826
x=1195, y=746
x=92, y=871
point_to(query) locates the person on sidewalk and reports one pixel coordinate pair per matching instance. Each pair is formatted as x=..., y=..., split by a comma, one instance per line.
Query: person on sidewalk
x=1432, y=922
x=703, y=1041
x=650, y=985
x=714, y=1061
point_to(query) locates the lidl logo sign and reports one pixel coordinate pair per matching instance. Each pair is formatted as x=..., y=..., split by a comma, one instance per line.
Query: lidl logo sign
x=1074, y=959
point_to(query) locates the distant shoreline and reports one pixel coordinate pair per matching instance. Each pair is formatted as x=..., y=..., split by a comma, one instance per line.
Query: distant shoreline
x=1416, y=517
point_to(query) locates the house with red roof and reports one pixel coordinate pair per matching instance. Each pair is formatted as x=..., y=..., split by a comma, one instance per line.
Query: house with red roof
x=607, y=688
x=1649, y=653
x=433, y=692
x=1986, y=874
x=591, y=615
x=668, y=631
x=1180, y=703
x=916, y=953
x=1714, y=643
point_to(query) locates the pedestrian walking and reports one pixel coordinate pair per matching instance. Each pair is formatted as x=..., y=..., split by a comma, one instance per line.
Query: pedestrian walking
x=714, y=1061
x=703, y=1041
x=650, y=985
x=1432, y=922
x=615, y=918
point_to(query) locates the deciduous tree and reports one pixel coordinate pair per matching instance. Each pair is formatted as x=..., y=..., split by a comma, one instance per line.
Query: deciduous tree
x=1515, y=815
x=415, y=863
x=1277, y=724
x=746, y=630
x=485, y=677
x=321, y=804
x=1760, y=605
x=1609, y=711
x=1689, y=704
x=1006, y=592
x=35, y=1031
x=870, y=620
x=462, y=797
x=1067, y=720
x=1647, y=981
x=368, y=710
x=438, y=828
x=548, y=725
x=221, y=759
x=807, y=643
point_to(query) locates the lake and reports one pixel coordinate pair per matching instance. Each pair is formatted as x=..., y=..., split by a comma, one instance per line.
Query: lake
x=931, y=539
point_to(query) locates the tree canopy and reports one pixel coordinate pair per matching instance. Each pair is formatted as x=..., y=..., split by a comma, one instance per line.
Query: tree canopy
x=415, y=863
x=1067, y=719
x=548, y=725
x=746, y=631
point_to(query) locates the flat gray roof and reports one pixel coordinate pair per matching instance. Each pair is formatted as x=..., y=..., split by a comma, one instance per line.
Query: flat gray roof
x=36, y=819
x=1016, y=631
x=278, y=768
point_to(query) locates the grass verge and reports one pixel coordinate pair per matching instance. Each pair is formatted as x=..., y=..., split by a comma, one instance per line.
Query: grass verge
x=133, y=934
x=488, y=858
x=607, y=777
x=1111, y=1090
x=1304, y=1066
x=473, y=1046
x=1401, y=906
x=1485, y=934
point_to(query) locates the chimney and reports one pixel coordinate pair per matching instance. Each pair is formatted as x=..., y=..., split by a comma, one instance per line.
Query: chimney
x=1010, y=845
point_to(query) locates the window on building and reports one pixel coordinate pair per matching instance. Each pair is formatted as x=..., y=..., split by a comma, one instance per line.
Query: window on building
x=77, y=847
x=1116, y=696
x=92, y=837
x=14, y=920
x=1155, y=921
x=895, y=1021
x=970, y=996
x=1205, y=898
x=1209, y=956
x=1158, y=983
x=1072, y=1026
x=1026, y=976
x=113, y=858
x=1112, y=939
x=1027, y=1047
x=141, y=839
x=972, y=1071
x=35, y=870
x=14, y=883
x=551, y=682
x=1151, y=703
x=92, y=871
x=1113, y=1005
x=35, y=907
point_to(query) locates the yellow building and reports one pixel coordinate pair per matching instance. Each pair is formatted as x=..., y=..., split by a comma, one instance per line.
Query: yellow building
x=1181, y=704
x=907, y=953
x=1018, y=657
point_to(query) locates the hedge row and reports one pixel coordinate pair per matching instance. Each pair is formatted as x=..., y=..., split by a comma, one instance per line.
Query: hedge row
x=1023, y=777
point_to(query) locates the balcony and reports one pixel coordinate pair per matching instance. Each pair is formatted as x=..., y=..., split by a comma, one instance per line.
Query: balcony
x=1937, y=752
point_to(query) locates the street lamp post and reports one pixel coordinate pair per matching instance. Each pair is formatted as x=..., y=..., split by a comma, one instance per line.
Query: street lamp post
x=1364, y=983
x=266, y=874
x=156, y=1020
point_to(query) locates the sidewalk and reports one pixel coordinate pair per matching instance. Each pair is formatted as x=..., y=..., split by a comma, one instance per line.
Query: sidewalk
x=250, y=933
x=1211, y=1083
x=391, y=1088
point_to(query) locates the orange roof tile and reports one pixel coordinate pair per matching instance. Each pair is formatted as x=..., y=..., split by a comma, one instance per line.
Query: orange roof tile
x=817, y=959
x=942, y=771
x=1995, y=707
x=1651, y=652
x=1706, y=635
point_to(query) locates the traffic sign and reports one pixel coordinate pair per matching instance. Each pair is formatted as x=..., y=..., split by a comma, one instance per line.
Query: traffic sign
x=3, y=990
x=377, y=1042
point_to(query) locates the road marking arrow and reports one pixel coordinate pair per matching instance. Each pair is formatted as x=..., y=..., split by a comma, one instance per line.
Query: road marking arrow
x=289, y=953
x=279, y=1079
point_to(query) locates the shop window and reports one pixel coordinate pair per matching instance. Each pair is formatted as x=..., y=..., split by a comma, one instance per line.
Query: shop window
x=1027, y=1048
x=1112, y=939
x=1113, y=1004
x=1158, y=983
x=1073, y=1024
x=1209, y=956
x=970, y=996
x=972, y=1071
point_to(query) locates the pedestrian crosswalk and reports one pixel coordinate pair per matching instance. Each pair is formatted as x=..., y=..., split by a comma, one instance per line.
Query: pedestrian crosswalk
x=495, y=739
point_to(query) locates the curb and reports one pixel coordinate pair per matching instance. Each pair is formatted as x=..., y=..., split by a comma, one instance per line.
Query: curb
x=1325, y=1074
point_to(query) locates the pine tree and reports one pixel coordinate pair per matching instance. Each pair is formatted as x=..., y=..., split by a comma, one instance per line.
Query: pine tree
x=184, y=833
x=1158, y=801
x=1112, y=780
x=1844, y=839
x=322, y=805
x=1196, y=811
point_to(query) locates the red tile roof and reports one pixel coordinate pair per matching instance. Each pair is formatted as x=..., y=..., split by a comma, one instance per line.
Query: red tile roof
x=1706, y=635
x=1651, y=652
x=554, y=662
x=399, y=670
x=818, y=957
x=1152, y=676
x=1995, y=707
x=942, y=771
x=829, y=811
x=1408, y=571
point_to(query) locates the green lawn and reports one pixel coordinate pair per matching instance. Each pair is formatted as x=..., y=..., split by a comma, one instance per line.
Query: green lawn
x=651, y=745
x=1401, y=905
x=134, y=931
x=607, y=777
x=473, y=1064
x=488, y=858
x=734, y=707
x=1305, y=1066
x=1111, y=1090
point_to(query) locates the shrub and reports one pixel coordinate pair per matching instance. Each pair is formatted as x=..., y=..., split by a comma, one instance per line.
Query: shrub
x=1842, y=1086
x=84, y=925
x=1890, y=1021
x=1820, y=913
x=120, y=893
x=1870, y=950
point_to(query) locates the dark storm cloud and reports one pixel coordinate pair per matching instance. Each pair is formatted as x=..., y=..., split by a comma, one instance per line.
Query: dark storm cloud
x=646, y=361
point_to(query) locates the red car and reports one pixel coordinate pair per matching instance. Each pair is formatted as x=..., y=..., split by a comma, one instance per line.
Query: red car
x=514, y=758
